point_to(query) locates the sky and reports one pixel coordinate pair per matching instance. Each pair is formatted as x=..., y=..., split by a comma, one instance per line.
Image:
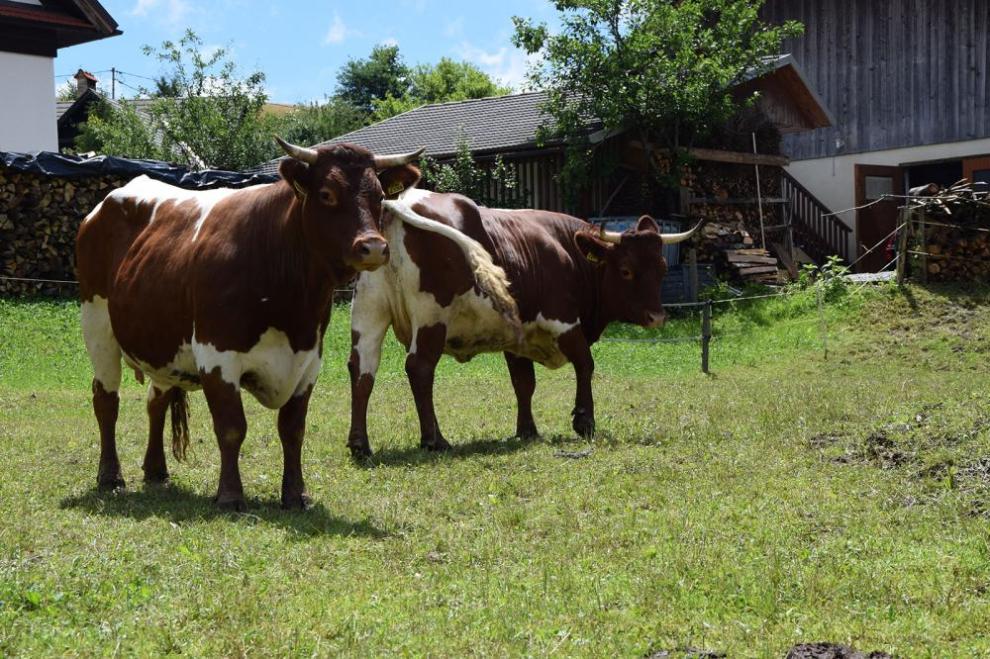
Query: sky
x=300, y=45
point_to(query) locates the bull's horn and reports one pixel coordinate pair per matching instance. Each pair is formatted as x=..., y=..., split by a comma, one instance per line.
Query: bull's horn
x=674, y=238
x=298, y=152
x=395, y=160
x=613, y=237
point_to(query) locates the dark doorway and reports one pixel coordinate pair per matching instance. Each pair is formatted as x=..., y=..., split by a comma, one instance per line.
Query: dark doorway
x=877, y=221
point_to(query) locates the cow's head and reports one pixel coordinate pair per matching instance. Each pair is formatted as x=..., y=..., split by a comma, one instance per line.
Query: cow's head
x=341, y=196
x=633, y=268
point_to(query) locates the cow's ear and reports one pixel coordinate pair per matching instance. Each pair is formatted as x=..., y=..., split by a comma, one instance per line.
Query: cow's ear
x=593, y=249
x=296, y=174
x=396, y=179
x=648, y=224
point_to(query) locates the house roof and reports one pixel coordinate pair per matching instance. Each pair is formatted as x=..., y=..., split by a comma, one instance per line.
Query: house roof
x=502, y=124
x=41, y=29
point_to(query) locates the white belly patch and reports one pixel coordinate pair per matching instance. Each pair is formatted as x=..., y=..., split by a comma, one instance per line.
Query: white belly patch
x=271, y=371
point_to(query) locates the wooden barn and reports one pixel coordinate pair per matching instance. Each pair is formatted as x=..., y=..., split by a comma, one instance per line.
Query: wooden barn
x=721, y=184
x=909, y=84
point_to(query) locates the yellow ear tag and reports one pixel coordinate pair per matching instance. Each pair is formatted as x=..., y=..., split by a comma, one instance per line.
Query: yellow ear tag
x=395, y=188
x=592, y=257
x=300, y=191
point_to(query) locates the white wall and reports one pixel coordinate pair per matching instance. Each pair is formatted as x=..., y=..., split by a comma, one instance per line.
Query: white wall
x=831, y=179
x=27, y=103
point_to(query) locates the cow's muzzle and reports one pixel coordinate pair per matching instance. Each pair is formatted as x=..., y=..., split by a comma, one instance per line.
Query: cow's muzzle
x=655, y=319
x=370, y=253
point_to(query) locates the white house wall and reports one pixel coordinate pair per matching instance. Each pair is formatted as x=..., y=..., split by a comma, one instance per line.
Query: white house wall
x=832, y=179
x=27, y=103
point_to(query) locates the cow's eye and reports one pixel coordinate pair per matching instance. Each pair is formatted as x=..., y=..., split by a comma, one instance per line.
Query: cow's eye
x=626, y=273
x=328, y=197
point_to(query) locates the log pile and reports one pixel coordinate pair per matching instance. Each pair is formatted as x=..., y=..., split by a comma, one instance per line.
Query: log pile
x=725, y=195
x=960, y=252
x=734, y=252
x=39, y=218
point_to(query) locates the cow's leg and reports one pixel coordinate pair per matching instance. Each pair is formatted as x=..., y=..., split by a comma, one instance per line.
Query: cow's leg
x=421, y=362
x=104, y=353
x=291, y=429
x=575, y=347
x=230, y=426
x=369, y=322
x=524, y=383
x=155, y=468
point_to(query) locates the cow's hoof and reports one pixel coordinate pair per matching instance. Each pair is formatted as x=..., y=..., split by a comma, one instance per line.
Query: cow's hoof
x=435, y=443
x=527, y=434
x=110, y=483
x=584, y=425
x=231, y=503
x=296, y=502
x=360, y=450
x=155, y=477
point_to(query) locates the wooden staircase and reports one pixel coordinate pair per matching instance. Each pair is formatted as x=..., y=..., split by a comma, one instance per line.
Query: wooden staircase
x=816, y=231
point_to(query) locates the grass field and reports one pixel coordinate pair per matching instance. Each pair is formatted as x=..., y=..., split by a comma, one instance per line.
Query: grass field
x=783, y=499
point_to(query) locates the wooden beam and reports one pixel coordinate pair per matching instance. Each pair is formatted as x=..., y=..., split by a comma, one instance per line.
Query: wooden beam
x=739, y=157
x=635, y=151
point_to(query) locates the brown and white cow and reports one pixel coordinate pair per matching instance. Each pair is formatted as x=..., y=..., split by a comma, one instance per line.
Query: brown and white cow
x=567, y=280
x=224, y=289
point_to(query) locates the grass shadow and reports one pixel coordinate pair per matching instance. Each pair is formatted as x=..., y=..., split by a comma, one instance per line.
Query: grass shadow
x=414, y=456
x=180, y=505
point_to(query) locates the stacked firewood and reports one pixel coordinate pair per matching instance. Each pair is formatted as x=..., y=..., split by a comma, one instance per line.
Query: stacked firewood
x=735, y=254
x=39, y=218
x=950, y=236
x=724, y=194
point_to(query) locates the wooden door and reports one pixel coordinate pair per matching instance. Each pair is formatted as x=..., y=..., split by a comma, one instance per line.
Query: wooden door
x=875, y=222
x=977, y=170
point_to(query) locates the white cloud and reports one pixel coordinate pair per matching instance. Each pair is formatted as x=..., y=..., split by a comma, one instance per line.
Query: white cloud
x=389, y=42
x=454, y=28
x=337, y=32
x=507, y=65
x=175, y=10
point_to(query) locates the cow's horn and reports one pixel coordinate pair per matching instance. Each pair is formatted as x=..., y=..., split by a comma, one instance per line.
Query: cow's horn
x=613, y=237
x=395, y=160
x=674, y=238
x=298, y=152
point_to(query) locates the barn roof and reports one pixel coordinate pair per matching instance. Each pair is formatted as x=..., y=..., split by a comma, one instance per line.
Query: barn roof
x=502, y=124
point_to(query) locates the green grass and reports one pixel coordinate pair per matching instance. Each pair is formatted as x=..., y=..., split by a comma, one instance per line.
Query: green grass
x=782, y=499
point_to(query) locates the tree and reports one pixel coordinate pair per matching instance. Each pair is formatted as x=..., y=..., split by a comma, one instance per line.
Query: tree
x=319, y=122
x=66, y=91
x=447, y=80
x=361, y=82
x=662, y=70
x=494, y=186
x=209, y=116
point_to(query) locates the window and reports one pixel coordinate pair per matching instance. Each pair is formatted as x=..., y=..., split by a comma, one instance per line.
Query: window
x=878, y=186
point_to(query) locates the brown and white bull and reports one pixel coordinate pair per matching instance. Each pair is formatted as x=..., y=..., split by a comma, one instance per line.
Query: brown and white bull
x=223, y=290
x=537, y=286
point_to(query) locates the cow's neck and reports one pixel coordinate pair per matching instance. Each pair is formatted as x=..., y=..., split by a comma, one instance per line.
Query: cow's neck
x=595, y=316
x=296, y=264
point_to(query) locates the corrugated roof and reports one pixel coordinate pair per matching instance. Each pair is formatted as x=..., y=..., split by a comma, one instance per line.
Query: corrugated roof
x=498, y=123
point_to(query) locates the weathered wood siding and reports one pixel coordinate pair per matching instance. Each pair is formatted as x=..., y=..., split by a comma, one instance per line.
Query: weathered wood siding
x=895, y=73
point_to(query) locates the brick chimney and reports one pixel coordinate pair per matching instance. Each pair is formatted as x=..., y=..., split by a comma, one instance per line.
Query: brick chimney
x=84, y=81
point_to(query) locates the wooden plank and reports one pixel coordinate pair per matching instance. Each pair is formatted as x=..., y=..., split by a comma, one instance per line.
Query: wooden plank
x=737, y=157
x=742, y=258
x=759, y=270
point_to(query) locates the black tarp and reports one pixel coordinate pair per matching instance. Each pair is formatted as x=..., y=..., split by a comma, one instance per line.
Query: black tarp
x=58, y=165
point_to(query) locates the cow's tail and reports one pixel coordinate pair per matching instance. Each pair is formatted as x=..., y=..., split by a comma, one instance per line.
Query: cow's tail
x=491, y=279
x=179, y=408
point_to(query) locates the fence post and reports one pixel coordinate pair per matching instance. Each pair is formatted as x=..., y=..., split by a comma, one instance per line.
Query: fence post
x=821, y=316
x=706, y=334
x=907, y=215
